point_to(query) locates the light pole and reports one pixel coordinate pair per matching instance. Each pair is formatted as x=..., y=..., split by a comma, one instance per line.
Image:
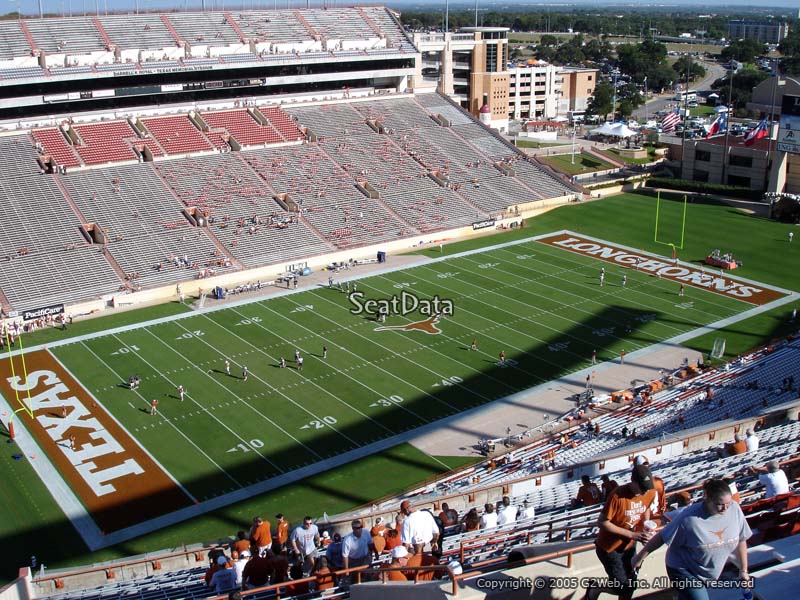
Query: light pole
x=615, y=72
x=645, y=100
x=573, y=144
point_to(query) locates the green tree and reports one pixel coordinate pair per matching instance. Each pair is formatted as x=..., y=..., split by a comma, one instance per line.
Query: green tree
x=625, y=109
x=685, y=64
x=744, y=51
x=548, y=40
x=602, y=100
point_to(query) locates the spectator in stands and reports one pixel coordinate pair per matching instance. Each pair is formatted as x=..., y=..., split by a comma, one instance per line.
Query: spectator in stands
x=224, y=580
x=681, y=500
x=257, y=571
x=393, y=539
x=738, y=446
x=421, y=559
x=357, y=548
x=489, y=518
x=609, y=485
x=621, y=526
x=334, y=553
x=260, y=535
x=242, y=559
x=471, y=520
x=296, y=589
x=419, y=528
x=305, y=542
x=528, y=512
x=660, y=503
x=700, y=542
x=325, y=578
x=772, y=477
x=241, y=544
x=449, y=516
x=281, y=532
x=399, y=559
x=378, y=533
x=751, y=441
x=507, y=512
x=588, y=494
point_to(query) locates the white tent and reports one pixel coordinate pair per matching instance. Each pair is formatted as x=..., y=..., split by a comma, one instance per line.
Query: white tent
x=622, y=130
x=604, y=129
x=719, y=109
x=619, y=130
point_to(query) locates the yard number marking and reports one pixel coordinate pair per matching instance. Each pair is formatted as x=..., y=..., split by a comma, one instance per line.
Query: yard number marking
x=126, y=349
x=241, y=447
x=390, y=401
x=449, y=381
x=320, y=423
x=191, y=334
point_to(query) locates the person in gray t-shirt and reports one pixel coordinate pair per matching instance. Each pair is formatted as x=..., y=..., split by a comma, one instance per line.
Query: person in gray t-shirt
x=700, y=539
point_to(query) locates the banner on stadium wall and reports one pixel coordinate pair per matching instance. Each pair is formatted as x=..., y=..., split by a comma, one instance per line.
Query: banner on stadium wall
x=483, y=224
x=789, y=131
x=38, y=313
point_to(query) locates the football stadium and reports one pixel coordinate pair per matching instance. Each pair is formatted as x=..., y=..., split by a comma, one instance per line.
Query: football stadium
x=275, y=324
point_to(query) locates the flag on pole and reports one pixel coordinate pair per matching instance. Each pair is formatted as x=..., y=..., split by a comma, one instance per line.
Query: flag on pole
x=719, y=125
x=756, y=134
x=670, y=120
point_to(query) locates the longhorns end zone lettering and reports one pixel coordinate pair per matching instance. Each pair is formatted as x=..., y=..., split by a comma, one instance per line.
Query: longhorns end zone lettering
x=719, y=284
x=117, y=481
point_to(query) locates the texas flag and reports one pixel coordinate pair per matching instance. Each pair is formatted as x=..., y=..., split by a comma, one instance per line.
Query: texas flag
x=756, y=134
x=719, y=125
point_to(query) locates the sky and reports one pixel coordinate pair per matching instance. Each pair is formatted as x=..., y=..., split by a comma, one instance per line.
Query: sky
x=79, y=7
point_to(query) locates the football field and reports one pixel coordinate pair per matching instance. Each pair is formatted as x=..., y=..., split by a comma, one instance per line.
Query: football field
x=364, y=385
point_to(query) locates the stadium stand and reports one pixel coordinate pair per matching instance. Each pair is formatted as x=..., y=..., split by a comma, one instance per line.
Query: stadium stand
x=370, y=172
x=177, y=134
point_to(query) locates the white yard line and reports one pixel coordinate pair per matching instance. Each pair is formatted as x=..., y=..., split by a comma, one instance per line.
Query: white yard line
x=289, y=398
x=164, y=418
x=200, y=406
x=338, y=371
x=439, y=376
x=245, y=402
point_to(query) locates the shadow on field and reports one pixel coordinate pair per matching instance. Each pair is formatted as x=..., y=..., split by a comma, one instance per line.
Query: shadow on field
x=58, y=542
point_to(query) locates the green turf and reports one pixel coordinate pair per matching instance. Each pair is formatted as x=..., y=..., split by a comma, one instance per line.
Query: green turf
x=517, y=304
x=584, y=163
x=522, y=143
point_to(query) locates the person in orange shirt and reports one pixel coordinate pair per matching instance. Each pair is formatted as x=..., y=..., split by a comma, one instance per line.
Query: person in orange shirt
x=241, y=544
x=588, y=493
x=261, y=535
x=325, y=578
x=281, y=532
x=393, y=539
x=621, y=525
x=379, y=528
x=420, y=559
x=660, y=504
x=399, y=559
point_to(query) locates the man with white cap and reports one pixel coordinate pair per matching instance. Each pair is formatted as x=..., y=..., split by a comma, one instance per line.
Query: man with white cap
x=223, y=580
x=399, y=560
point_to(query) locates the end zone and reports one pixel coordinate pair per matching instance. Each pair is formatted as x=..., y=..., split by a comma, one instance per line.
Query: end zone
x=116, y=482
x=680, y=272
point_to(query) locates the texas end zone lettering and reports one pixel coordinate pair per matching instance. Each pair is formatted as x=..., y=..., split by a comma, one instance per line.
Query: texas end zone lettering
x=716, y=283
x=116, y=480
x=47, y=406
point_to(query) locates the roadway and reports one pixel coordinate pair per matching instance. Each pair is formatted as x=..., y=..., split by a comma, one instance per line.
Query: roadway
x=713, y=72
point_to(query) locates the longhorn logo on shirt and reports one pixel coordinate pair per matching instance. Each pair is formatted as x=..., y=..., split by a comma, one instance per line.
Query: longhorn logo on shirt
x=427, y=326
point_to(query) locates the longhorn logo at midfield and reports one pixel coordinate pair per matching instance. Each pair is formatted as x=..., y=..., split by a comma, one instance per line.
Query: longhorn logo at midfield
x=427, y=326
